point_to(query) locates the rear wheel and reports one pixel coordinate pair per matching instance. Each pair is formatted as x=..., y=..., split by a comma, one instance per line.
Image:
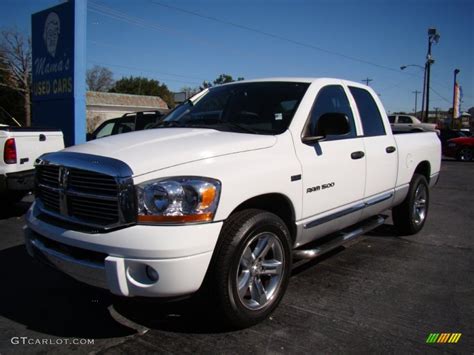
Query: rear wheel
x=252, y=267
x=465, y=154
x=410, y=216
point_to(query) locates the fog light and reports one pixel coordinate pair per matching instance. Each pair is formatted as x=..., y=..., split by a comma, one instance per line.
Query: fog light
x=151, y=273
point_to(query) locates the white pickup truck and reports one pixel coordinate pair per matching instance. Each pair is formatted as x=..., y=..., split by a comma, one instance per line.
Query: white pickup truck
x=19, y=148
x=230, y=191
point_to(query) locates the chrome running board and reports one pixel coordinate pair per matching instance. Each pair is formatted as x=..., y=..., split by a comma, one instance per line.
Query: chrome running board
x=303, y=255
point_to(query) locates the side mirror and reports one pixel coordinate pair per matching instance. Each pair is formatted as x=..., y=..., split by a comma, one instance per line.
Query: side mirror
x=89, y=137
x=329, y=124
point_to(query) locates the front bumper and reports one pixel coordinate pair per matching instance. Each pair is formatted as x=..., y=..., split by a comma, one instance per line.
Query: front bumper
x=118, y=260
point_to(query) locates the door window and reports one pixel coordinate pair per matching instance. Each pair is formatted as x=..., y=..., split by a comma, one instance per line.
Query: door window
x=369, y=113
x=331, y=99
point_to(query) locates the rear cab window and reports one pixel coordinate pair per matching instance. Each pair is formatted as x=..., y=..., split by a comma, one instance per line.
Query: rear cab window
x=369, y=113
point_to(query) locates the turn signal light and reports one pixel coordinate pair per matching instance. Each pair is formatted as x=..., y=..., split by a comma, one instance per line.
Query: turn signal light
x=9, y=151
x=203, y=217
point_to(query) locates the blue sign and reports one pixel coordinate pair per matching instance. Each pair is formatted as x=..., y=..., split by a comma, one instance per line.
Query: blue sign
x=53, y=53
x=58, y=87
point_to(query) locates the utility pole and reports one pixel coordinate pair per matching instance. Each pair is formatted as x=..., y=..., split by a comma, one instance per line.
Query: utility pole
x=416, y=92
x=433, y=36
x=367, y=81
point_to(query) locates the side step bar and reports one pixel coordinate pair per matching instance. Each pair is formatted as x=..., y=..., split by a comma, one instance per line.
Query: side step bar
x=341, y=238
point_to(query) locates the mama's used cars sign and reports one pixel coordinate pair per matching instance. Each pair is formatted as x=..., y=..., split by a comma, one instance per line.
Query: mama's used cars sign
x=59, y=69
x=53, y=52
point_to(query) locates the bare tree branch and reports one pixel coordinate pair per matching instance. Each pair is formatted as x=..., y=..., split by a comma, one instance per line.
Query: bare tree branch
x=99, y=79
x=15, y=66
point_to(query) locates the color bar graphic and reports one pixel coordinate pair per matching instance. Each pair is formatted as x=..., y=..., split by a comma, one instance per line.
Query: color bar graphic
x=442, y=338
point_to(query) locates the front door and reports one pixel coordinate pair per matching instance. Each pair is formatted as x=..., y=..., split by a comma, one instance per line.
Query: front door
x=333, y=170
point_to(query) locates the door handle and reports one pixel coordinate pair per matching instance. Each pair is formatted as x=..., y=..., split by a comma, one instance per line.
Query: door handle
x=390, y=149
x=357, y=155
x=42, y=137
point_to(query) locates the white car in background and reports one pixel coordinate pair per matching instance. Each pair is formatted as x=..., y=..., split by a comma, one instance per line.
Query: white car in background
x=406, y=123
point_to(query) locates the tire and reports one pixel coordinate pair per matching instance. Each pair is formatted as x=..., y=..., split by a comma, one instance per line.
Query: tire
x=410, y=216
x=254, y=257
x=465, y=154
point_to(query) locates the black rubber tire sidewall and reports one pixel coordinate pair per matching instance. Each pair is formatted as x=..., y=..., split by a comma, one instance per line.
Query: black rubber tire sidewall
x=402, y=214
x=238, y=231
x=459, y=155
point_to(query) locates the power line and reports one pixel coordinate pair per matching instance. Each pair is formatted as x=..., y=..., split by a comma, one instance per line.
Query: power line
x=276, y=36
x=440, y=96
x=137, y=21
x=273, y=35
x=146, y=70
x=120, y=16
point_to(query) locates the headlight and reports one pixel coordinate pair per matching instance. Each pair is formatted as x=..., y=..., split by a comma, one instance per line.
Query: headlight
x=178, y=200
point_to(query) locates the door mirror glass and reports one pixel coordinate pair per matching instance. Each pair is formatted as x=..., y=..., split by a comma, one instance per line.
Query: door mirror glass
x=332, y=124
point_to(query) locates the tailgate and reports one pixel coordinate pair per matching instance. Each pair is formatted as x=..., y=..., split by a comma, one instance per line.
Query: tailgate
x=30, y=145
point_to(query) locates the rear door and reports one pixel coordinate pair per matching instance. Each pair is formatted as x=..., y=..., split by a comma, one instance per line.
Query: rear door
x=380, y=149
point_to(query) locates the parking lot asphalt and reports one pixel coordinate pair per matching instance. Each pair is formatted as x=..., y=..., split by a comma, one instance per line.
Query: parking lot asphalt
x=383, y=294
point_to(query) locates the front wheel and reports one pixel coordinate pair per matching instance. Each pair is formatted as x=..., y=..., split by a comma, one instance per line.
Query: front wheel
x=410, y=216
x=465, y=154
x=252, y=267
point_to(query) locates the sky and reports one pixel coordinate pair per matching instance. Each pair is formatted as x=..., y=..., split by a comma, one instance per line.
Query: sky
x=181, y=43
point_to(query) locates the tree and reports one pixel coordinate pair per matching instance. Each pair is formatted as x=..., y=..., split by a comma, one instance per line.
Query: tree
x=15, y=67
x=143, y=86
x=99, y=79
x=222, y=79
x=205, y=85
x=225, y=78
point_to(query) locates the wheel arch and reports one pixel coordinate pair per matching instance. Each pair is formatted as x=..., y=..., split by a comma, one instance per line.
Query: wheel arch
x=276, y=203
x=424, y=168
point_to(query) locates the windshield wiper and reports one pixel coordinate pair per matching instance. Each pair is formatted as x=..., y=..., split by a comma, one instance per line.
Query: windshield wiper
x=168, y=124
x=240, y=127
x=205, y=123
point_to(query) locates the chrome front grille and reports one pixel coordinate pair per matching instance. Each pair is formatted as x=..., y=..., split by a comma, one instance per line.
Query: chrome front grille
x=71, y=190
x=50, y=199
x=49, y=175
x=92, y=182
x=94, y=209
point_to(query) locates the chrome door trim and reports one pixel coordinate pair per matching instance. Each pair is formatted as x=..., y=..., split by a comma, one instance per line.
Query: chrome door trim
x=321, y=220
x=370, y=202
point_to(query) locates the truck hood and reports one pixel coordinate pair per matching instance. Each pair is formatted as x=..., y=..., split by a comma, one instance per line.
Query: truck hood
x=156, y=149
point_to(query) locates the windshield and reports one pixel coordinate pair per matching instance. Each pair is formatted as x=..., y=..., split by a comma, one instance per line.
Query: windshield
x=259, y=108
